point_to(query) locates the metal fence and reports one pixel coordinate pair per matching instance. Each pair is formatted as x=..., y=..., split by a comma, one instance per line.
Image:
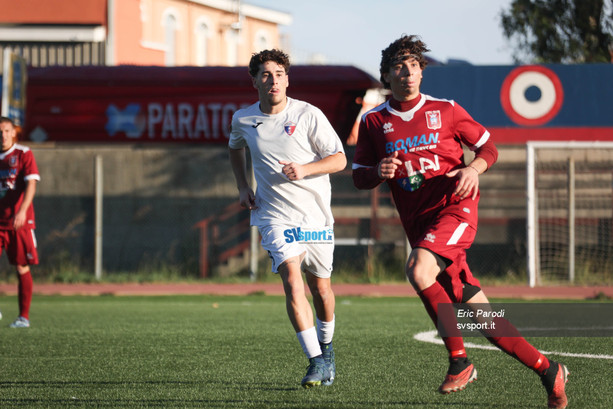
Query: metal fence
x=154, y=197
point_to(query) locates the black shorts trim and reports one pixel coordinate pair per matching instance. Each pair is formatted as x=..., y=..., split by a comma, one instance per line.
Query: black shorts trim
x=441, y=261
x=469, y=291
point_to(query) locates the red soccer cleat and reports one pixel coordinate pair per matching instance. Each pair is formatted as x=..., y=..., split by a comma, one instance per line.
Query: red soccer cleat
x=556, y=391
x=455, y=383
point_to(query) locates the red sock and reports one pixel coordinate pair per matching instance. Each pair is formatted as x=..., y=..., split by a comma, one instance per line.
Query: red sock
x=541, y=366
x=431, y=298
x=515, y=345
x=25, y=294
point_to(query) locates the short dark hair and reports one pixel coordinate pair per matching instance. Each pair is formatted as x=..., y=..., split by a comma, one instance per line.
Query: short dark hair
x=274, y=55
x=7, y=119
x=404, y=45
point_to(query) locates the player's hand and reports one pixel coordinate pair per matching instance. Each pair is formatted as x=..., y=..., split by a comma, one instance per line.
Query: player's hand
x=293, y=170
x=388, y=165
x=468, y=182
x=247, y=199
x=19, y=221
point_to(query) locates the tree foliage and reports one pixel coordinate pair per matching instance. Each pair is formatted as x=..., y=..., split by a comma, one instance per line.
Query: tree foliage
x=560, y=31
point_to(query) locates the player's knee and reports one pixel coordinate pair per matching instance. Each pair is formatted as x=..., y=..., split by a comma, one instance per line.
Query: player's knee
x=323, y=291
x=293, y=285
x=294, y=290
x=422, y=268
x=420, y=276
x=320, y=287
x=21, y=270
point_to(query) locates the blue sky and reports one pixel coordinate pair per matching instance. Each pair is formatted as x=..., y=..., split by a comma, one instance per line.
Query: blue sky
x=355, y=31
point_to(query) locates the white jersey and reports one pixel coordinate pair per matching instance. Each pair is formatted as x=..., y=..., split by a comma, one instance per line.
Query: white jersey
x=301, y=133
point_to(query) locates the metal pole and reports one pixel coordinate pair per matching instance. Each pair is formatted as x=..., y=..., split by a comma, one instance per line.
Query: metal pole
x=531, y=204
x=571, y=219
x=253, y=253
x=6, y=78
x=109, y=48
x=253, y=242
x=98, y=195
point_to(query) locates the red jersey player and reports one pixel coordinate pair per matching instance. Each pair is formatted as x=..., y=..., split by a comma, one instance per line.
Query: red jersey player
x=18, y=178
x=415, y=143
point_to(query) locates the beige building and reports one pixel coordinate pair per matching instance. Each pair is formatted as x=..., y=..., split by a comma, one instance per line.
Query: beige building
x=139, y=32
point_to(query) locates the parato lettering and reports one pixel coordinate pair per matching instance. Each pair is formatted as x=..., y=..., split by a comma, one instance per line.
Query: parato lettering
x=187, y=121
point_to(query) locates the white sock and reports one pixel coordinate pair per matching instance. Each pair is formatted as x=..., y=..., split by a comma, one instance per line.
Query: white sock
x=309, y=343
x=325, y=330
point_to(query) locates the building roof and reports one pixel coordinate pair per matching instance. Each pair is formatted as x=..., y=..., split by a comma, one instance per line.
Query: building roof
x=94, y=12
x=90, y=12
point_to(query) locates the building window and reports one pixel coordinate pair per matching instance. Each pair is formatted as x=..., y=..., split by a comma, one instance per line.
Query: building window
x=202, y=35
x=262, y=41
x=232, y=47
x=170, y=40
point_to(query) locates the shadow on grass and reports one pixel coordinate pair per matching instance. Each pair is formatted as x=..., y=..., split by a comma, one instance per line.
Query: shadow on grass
x=313, y=398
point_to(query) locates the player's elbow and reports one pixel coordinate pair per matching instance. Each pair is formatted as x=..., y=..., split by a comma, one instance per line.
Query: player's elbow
x=338, y=163
x=358, y=182
x=363, y=178
x=341, y=162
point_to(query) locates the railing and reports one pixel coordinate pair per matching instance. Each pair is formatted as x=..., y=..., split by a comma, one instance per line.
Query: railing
x=222, y=237
x=226, y=235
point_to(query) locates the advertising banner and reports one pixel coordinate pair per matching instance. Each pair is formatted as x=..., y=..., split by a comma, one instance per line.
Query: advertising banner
x=136, y=104
x=14, y=83
x=525, y=103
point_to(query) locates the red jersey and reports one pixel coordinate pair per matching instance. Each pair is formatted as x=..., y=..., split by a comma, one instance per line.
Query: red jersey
x=17, y=166
x=428, y=139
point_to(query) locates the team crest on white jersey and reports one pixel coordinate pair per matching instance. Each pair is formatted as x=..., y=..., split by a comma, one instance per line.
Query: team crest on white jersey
x=289, y=127
x=387, y=127
x=433, y=119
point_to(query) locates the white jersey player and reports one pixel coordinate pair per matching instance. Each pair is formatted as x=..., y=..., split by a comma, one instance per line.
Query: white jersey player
x=293, y=150
x=301, y=134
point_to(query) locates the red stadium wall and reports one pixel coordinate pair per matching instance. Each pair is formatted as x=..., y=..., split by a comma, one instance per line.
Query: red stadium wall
x=135, y=104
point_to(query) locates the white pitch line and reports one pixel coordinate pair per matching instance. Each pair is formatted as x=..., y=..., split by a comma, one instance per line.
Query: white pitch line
x=430, y=337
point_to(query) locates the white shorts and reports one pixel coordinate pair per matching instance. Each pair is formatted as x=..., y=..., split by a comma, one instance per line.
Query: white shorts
x=283, y=242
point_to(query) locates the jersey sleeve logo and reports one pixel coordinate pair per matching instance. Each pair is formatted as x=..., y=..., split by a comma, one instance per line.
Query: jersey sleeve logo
x=433, y=119
x=289, y=127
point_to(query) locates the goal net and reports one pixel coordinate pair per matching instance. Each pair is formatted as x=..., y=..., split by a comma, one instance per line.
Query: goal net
x=570, y=212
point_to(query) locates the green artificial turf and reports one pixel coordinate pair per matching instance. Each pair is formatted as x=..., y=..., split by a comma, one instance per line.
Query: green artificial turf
x=241, y=352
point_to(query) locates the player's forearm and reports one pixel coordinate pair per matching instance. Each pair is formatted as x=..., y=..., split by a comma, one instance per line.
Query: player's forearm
x=488, y=153
x=479, y=165
x=330, y=164
x=28, y=195
x=366, y=177
x=239, y=167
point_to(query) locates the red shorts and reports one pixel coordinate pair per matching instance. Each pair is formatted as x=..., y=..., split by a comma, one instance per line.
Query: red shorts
x=20, y=246
x=449, y=233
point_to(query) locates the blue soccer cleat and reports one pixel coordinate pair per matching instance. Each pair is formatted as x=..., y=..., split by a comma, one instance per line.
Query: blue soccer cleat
x=328, y=354
x=317, y=372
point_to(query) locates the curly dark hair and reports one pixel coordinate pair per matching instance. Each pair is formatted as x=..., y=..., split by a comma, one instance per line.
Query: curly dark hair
x=260, y=58
x=407, y=44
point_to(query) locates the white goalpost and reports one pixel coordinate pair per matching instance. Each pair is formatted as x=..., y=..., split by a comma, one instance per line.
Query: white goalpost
x=569, y=219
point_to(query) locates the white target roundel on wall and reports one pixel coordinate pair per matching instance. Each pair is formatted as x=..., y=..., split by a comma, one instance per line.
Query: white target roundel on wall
x=531, y=95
